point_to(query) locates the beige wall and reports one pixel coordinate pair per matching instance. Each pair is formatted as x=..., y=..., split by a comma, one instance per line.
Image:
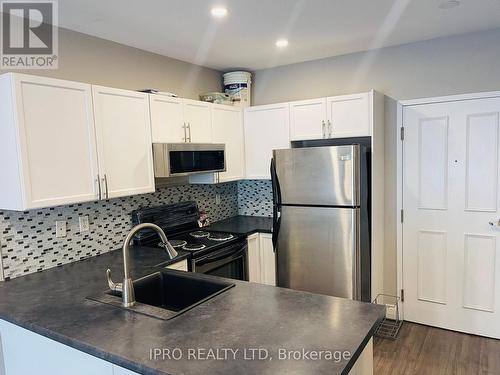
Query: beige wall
x=89, y=59
x=460, y=64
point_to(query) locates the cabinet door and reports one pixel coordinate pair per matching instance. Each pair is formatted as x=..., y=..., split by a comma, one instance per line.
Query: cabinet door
x=167, y=119
x=349, y=115
x=124, y=141
x=227, y=127
x=266, y=129
x=254, y=258
x=197, y=116
x=57, y=141
x=181, y=266
x=268, y=260
x=308, y=119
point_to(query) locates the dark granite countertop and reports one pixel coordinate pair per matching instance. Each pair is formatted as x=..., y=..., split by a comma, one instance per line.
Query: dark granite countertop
x=243, y=225
x=53, y=304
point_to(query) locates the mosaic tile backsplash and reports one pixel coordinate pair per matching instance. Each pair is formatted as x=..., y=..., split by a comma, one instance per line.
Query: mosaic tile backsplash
x=28, y=242
x=255, y=198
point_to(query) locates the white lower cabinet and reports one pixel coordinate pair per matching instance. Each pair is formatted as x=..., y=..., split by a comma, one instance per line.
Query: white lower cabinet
x=181, y=266
x=28, y=353
x=261, y=259
x=364, y=364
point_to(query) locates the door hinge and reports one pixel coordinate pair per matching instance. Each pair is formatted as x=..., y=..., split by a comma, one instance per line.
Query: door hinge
x=402, y=133
x=402, y=295
x=402, y=215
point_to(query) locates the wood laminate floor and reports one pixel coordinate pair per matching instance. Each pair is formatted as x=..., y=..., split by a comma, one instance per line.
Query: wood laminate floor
x=423, y=350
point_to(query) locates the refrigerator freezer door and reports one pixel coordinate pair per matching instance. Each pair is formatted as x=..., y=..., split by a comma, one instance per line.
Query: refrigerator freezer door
x=323, y=176
x=318, y=250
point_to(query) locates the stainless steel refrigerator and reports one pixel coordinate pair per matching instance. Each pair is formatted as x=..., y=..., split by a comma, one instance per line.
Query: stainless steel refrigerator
x=321, y=229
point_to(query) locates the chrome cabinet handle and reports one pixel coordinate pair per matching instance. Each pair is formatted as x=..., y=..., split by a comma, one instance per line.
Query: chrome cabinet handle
x=106, y=185
x=98, y=181
x=329, y=129
x=185, y=134
x=189, y=129
x=323, y=128
x=115, y=287
x=493, y=224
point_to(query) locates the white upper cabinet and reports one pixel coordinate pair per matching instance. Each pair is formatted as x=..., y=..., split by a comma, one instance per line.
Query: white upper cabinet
x=47, y=143
x=227, y=127
x=349, y=115
x=176, y=120
x=198, y=121
x=124, y=141
x=266, y=129
x=333, y=117
x=167, y=119
x=308, y=119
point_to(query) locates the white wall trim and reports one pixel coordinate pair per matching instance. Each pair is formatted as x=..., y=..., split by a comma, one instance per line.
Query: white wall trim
x=400, y=162
x=450, y=98
x=399, y=207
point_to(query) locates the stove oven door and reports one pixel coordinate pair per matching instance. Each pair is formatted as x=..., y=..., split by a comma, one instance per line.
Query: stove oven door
x=230, y=262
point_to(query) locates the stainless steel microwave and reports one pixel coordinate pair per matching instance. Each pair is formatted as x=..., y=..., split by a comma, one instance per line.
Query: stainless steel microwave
x=184, y=159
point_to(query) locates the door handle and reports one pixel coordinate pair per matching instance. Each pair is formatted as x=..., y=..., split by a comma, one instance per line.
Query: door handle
x=185, y=135
x=189, y=129
x=323, y=128
x=329, y=129
x=493, y=224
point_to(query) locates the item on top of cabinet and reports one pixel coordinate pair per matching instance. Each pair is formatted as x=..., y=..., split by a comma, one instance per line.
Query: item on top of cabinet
x=158, y=92
x=237, y=86
x=216, y=97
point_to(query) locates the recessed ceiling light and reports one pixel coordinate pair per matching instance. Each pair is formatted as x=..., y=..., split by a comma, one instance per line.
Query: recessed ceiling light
x=281, y=43
x=219, y=12
x=448, y=4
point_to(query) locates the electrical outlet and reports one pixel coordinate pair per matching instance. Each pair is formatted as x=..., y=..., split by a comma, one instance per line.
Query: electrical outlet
x=60, y=229
x=217, y=199
x=84, y=224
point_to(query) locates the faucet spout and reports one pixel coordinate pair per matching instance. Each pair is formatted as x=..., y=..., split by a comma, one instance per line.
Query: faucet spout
x=127, y=287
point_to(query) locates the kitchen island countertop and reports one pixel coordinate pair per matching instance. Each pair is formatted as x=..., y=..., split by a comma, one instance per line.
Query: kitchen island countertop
x=53, y=303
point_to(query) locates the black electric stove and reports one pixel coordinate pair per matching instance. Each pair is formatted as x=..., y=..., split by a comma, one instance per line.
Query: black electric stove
x=214, y=253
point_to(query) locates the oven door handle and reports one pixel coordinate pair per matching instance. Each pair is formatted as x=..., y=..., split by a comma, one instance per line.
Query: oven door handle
x=221, y=255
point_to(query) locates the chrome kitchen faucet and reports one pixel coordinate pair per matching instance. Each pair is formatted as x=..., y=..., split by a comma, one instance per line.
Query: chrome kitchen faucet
x=127, y=287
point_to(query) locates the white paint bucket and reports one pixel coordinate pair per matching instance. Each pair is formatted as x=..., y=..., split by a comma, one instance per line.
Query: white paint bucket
x=237, y=85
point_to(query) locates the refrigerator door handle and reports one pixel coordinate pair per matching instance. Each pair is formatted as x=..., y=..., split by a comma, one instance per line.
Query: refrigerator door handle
x=276, y=204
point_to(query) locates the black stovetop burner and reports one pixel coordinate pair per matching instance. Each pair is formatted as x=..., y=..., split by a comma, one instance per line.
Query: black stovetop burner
x=180, y=223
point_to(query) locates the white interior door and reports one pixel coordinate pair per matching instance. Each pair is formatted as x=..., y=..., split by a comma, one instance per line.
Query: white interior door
x=124, y=141
x=451, y=264
x=197, y=116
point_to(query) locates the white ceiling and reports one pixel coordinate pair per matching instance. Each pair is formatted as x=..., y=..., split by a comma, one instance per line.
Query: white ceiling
x=185, y=30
